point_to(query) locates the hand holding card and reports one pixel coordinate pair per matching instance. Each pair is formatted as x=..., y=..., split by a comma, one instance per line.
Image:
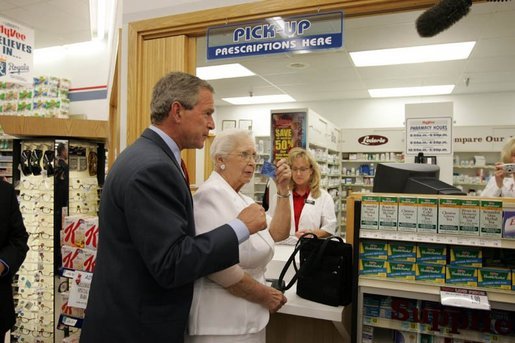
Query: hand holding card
x=268, y=169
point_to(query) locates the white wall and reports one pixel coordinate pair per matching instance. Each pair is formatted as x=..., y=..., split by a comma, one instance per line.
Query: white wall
x=470, y=110
x=85, y=65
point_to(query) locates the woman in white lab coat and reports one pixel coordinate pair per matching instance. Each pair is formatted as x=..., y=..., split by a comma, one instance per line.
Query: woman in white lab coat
x=502, y=184
x=312, y=208
x=234, y=305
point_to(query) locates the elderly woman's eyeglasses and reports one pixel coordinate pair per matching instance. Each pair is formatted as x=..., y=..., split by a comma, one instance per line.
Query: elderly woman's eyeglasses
x=246, y=156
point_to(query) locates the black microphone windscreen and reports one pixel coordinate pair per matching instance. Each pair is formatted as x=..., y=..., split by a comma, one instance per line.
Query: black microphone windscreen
x=442, y=16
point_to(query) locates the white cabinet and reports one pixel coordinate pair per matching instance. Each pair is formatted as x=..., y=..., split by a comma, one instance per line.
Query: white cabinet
x=472, y=170
x=323, y=139
x=256, y=187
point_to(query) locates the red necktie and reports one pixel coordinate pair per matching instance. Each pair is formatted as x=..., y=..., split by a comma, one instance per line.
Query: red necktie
x=185, y=171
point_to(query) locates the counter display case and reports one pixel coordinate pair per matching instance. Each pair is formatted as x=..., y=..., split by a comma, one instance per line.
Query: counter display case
x=384, y=279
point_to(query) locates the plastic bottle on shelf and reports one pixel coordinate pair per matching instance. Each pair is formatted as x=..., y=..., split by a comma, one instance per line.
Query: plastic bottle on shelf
x=261, y=146
x=371, y=170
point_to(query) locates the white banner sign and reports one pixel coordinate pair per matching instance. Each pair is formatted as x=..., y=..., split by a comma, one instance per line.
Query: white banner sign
x=431, y=136
x=16, y=52
x=79, y=289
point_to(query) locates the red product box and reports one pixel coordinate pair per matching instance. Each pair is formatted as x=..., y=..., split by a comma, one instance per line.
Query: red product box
x=90, y=229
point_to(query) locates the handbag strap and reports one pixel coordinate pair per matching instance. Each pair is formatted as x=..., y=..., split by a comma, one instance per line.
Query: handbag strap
x=321, y=251
x=300, y=243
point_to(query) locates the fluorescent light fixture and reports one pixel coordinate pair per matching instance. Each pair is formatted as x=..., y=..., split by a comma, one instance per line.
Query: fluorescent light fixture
x=410, y=91
x=224, y=71
x=98, y=16
x=415, y=54
x=263, y=99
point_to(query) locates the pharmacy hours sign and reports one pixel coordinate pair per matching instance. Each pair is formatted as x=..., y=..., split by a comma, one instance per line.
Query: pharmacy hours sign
x=432, y=136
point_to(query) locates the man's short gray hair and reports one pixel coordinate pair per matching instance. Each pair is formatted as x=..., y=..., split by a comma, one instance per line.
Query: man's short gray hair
x=175, y=86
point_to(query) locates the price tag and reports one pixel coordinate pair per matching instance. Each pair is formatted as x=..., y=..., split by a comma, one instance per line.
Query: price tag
x=69, y=321
x=365, y=234
x=468, y=298
x=68, y=273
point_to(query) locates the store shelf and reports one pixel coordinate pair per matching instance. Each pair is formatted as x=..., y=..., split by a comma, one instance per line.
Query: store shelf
x=372, y=161
x=503, y=299
x=357, y=176
x=439, y=238
x=52, y=127
x=466, y=335
x=482, y=184
x=457, y=166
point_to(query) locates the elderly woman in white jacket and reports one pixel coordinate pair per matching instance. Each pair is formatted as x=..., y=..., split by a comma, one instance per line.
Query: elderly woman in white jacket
x=234, y=305
x=312, y=208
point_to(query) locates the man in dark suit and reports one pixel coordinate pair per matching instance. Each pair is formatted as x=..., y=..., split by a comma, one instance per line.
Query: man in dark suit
x=148, y=255
x=13, y=249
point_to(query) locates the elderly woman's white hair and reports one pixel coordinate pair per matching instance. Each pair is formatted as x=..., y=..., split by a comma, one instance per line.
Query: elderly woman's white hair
x=227, y=141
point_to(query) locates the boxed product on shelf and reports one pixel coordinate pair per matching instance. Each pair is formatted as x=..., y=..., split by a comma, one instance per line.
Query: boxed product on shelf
x=388, y=213
x=469, y=217
x=373, y=249
x=466, y=256
x=91, y=232
x=427, y=214
x=430, y=272
x=407, y=214
x=370, y=212
x=80, y=231
x=460, y=276
x=72, y=234
x=68, y=310
x=402, y=251
x=373, y=267
x=491, y=218
x=78, y=259
x=449, y=215
x=431, y=253
x=401, y=270
x=499, y=278
x=508, y=226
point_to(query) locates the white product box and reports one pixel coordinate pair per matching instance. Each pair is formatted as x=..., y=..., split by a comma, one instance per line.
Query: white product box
x=469, y=217
x=407, y=214
x=388, y=213
x=370, y=212
x=491, y=218
x=427, y=214
x=448, y=215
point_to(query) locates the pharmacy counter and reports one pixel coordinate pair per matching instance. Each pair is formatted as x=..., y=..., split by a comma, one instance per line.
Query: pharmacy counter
x=299, y=315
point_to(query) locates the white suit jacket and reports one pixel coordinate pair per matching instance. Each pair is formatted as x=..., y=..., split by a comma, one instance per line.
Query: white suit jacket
x=316, y=213
x=214, y=310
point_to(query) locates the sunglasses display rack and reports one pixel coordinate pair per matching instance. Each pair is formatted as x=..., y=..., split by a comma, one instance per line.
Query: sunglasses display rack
x=34, y=283
x=6, y=157
x=55, y=179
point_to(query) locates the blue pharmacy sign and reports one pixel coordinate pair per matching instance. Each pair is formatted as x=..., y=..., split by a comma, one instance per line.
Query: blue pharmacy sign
x=276, y=35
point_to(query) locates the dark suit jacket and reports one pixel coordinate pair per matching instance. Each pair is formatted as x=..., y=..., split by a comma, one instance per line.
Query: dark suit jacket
x=148, y=255
x=13, y=249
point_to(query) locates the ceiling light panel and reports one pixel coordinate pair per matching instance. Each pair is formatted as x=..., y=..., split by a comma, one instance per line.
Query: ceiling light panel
x=263, y=99
x=411, y=91
x=224, y=71
x=415, y=54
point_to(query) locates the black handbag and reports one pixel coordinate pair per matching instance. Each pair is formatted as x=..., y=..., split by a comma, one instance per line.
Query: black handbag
x=325, y=272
